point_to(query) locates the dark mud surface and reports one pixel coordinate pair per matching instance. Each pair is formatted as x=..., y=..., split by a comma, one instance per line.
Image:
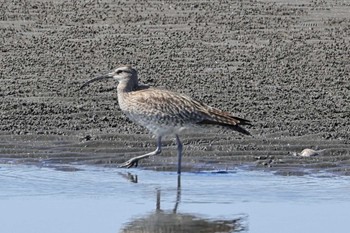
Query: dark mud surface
x=285, y=66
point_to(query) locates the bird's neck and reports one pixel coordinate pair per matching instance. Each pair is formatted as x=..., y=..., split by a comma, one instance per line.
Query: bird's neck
x=124, y=87
x=127, y=86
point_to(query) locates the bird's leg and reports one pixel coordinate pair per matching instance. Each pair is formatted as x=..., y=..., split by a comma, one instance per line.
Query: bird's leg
x=179, y=154
x=134, y=161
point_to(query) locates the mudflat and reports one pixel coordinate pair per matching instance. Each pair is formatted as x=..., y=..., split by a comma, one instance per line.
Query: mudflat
x=283, y=65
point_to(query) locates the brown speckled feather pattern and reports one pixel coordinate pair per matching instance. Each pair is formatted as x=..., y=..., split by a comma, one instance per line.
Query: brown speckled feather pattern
x=164, y=112
x=156, y=108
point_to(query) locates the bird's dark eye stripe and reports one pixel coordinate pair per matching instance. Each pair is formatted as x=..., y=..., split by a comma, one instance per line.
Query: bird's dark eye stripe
x=121, y=71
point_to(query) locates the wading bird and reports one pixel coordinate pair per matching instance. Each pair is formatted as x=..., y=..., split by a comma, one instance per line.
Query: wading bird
x=164, y=112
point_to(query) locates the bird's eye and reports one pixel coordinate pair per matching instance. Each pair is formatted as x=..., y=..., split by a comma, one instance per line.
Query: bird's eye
x=118, y=71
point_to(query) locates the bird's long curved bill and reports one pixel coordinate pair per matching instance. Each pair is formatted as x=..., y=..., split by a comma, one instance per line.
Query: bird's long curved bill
x=94, y=80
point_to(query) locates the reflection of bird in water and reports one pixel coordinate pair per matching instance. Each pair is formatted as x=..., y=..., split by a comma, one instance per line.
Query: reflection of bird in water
x=130, y=177
x=164, y=112
x=172, y=222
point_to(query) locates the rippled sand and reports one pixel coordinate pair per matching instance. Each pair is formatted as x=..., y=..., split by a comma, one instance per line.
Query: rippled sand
x=282, y=65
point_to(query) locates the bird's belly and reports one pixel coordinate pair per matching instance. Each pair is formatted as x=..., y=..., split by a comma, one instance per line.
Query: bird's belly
x=164, y=130
x=159, y=126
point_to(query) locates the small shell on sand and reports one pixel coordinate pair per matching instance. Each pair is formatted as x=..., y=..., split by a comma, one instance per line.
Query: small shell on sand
x=309, y=153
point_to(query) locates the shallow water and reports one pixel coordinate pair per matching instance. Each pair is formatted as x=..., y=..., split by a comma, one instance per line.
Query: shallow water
x=93, y=199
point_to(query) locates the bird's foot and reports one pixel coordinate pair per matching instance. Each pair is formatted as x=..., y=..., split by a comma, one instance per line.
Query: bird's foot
x=130, y=163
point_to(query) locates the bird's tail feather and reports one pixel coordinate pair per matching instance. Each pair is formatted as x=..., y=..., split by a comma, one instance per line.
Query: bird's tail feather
x=217, y=117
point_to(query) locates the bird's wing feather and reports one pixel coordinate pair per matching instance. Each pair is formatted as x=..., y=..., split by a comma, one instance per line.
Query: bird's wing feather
x=165, y=104
x=170, y=105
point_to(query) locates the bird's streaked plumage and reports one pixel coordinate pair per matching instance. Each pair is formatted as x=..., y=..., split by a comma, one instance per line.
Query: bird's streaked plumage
x=165, y=112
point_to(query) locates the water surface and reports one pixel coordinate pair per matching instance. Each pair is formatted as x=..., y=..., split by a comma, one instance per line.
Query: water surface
x=92, y=199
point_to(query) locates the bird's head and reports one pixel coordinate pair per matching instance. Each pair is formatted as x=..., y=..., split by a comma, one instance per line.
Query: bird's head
x=123, y=74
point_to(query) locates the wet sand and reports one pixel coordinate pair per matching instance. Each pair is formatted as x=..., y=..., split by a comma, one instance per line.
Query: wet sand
x=284, y=66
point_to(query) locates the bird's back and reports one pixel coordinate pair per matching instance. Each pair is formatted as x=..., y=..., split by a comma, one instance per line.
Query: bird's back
x=164, y=112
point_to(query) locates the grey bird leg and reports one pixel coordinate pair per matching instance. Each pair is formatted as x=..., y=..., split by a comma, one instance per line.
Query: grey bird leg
x=179, y=154
x=134, y=161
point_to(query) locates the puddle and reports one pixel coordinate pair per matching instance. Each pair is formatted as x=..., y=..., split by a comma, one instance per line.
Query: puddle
x=91, y=199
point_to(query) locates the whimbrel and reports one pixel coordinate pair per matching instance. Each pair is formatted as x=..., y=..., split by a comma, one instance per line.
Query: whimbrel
x=164, y=112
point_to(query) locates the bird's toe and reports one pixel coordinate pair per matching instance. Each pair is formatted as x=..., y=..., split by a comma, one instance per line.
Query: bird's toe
x=130, y=163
